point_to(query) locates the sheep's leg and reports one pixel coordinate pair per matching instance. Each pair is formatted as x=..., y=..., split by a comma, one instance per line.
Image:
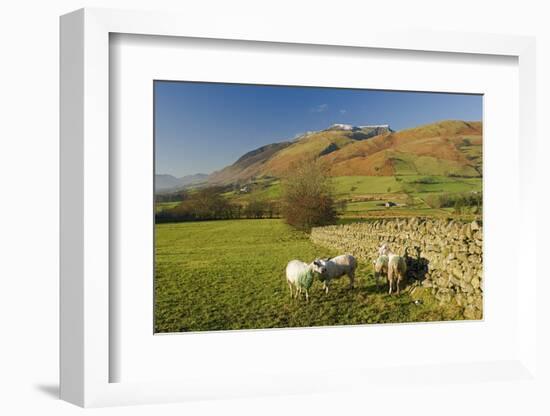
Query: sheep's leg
x=326, y=288
x=307, y=296
x=351, y=279
x=392, y=277
x=290, y=287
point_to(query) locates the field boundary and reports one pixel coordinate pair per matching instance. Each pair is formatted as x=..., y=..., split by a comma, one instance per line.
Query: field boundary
x=445, y=256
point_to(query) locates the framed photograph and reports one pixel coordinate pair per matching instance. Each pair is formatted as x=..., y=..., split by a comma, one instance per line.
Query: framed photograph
x=259, y=213
x=395, y=204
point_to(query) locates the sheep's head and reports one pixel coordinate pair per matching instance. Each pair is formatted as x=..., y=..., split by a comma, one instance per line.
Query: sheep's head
x=384, y=250
x=319, y=266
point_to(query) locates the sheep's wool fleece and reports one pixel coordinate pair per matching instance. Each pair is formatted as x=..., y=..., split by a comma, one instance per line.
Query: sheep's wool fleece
x=305, y=279
x=380, y=263
x=398, y=263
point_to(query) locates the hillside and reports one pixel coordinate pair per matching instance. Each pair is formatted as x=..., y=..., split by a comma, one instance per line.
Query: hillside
x=247, y=166
x=446, y=148
x=275, y=159
x=163, y=182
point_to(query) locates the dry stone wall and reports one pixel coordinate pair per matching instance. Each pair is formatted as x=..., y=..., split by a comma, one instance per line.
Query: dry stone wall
x=445, y=256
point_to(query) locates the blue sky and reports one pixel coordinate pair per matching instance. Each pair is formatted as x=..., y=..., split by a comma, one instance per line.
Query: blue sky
x=203, y=127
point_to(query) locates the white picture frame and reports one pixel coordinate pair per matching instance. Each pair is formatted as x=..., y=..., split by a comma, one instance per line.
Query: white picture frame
x=85, y=211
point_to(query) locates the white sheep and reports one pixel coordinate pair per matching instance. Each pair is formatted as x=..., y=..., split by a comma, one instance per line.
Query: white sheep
x=397, y=269
x=337, y=267
x=299, y=276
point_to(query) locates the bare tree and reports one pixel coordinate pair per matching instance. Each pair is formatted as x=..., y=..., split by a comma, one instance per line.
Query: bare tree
x=307, y=199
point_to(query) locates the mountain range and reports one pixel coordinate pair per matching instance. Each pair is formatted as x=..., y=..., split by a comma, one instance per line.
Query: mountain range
x=445, y=148
x=165, y=182
x=276, y=158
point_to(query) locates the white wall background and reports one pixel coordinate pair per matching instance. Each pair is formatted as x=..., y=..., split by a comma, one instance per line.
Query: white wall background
x=29, y=186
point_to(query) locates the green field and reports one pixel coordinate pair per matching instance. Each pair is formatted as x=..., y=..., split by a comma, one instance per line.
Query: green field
x=365, y=196
x=159, y=206
x=219, y=275
x=411, y=164
x=345, y=186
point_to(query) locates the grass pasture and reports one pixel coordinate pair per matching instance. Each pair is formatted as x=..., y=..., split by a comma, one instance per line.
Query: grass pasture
x=345, y=186
x=365, y=195
x=159, y=206
x=410, y=164
x=221, y=275
x=440, y=184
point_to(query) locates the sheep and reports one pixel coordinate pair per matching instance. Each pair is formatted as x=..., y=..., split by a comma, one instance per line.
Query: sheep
x=397, y=268
x=380, y=268
x=337, y=267
x=299, y=275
